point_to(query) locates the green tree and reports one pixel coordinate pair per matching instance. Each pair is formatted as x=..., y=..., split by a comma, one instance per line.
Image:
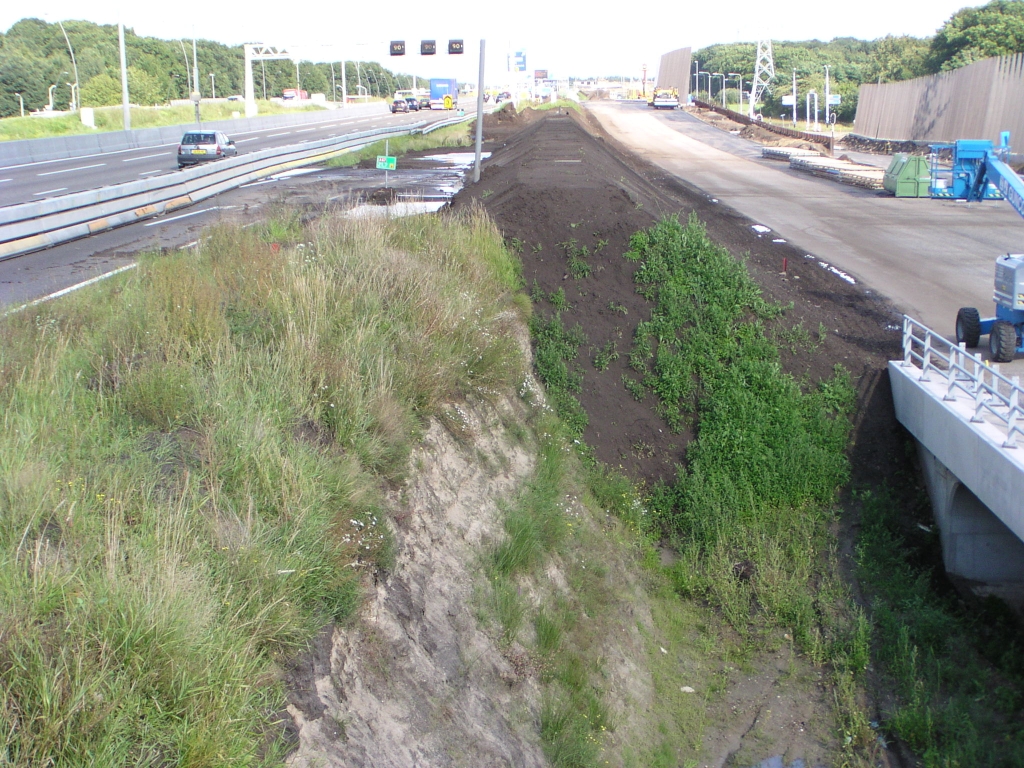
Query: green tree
x=898, y=58
x=101, y=91
x=971, y=34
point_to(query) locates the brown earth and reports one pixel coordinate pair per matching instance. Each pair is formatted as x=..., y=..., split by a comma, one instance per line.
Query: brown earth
x=559, y=180
x=556, y=178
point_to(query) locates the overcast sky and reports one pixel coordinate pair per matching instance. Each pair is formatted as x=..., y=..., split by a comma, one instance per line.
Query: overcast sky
x=557, y=36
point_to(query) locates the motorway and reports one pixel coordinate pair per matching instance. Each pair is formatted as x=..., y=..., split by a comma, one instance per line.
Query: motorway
x=929, y=257
x=37, y=181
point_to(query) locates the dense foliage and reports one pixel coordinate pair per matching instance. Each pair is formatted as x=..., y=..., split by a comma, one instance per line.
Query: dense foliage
x=995, y=29
x=34, y=56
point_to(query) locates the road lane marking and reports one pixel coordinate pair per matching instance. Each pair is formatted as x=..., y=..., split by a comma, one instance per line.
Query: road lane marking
x=150, y=173
x=242, y=141
x=69, y=170
x=181, y=216
x=3, y=180
x=82, y=157
x=69, y=289
x=50, y=191
x=273, y=135
x=146, y=157
x=307, y=130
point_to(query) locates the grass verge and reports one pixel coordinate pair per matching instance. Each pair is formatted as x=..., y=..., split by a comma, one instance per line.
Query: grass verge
x=449, y=136
x=189, y=464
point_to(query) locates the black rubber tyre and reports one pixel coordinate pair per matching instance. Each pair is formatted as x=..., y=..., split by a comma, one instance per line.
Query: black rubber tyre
x=968, y=326
x=1002, y=342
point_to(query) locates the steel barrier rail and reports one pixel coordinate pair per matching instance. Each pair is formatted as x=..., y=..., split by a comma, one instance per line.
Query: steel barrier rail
x=32, y=226
x=781, y=130
x=994, y=395
x=21, y=151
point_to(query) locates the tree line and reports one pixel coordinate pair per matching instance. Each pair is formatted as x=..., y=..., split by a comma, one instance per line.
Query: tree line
x=35, y=62
x=969, y=35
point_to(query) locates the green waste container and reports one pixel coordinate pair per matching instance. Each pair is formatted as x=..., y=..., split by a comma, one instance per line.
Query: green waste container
x=907, y=176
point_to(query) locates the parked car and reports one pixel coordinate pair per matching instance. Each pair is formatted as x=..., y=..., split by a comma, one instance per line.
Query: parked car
x=200, y=146
x=414, y=103
x=399, y=105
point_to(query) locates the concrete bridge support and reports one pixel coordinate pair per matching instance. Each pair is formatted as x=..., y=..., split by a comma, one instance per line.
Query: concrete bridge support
x=976, y=544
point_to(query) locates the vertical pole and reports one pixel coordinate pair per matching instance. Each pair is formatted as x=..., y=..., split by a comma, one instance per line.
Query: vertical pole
x=826, y=93
x=387, y=153
x=126, y=109
x=195, y=67
x=479, y=114
x=344, y=85
x=794, y=98
x=250, y=90
x=334, y=85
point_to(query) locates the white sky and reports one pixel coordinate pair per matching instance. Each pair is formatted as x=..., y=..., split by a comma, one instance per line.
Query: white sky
x=557, y=36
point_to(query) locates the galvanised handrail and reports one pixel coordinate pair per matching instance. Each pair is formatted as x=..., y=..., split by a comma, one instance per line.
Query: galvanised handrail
x=992, y=393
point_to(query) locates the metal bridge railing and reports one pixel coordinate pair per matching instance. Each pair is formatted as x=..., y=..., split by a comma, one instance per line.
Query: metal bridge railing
x=996, y=398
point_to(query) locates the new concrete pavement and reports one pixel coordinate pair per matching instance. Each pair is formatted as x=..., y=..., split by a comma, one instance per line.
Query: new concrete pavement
x=929, y=257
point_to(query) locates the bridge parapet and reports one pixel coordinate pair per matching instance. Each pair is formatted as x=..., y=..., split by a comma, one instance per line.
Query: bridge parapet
x=967, y=419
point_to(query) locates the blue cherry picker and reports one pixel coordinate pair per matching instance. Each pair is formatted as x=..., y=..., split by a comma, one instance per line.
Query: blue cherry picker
x=980, y=172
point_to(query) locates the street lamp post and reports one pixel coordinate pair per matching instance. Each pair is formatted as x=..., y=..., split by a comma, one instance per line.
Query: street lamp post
x=696, y=75
x=717, y=74
x=49, y=95
x=739, y=85
x=699, y=73
x=21, y=102
x=826, y=94
x=213, y=85
x=74, y=66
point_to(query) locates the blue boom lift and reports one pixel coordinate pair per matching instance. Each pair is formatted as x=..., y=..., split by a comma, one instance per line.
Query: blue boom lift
x=978, y=166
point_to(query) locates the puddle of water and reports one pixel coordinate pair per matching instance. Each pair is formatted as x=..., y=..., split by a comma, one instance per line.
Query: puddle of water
x=398, y=209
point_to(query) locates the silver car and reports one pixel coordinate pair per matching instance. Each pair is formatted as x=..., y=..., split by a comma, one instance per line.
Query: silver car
x=200, y=146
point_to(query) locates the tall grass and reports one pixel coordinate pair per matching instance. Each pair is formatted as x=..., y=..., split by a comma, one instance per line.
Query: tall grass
x=189, y=463
x=959, y=678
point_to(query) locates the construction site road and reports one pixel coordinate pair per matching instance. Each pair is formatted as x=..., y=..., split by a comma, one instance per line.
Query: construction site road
x=928, y=257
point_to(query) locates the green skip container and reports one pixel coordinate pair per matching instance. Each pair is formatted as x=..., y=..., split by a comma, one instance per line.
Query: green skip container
x=907, y=176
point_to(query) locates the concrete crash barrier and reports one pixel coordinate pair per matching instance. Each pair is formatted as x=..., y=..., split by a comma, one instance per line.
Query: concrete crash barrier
x=83, y=145
x=33, y=226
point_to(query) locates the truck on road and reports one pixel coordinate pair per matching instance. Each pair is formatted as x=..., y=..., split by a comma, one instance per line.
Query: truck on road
x=664, y=98
x=444, y=93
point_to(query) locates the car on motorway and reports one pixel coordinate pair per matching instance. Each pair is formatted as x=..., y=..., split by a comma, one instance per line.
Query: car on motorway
x=399, y=105
x=201, y=146
x=424, y=102
x=413, y=102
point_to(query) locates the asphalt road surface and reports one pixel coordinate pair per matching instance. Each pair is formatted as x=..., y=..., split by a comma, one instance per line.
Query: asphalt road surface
x=929, y=257
x=52, y=178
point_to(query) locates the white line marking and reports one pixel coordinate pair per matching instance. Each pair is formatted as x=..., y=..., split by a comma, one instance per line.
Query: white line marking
x=50, y=191
x=83, y=157
x=242, y=141
x=307, y=130
x=69, y=289
x=273, y=135
x=3, y=180
x=145, y=157
x=193, y=244
x=69, y=170
x=150, y=173
x=182, y=216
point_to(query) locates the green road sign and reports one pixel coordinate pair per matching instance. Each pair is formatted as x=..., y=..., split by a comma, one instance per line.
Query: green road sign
x=385, y=163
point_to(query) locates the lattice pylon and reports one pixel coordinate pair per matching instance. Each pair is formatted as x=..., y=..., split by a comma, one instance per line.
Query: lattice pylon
x=764, y=72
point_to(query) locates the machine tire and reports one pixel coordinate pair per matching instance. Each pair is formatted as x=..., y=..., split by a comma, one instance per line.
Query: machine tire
x=1002, y=342
x=968, y=326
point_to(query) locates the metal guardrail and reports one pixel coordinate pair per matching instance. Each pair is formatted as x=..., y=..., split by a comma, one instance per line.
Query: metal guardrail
x=33, y=226
x=994, y=395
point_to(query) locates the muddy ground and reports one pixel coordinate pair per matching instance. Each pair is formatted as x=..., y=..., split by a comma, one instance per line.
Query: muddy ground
x=556, y=181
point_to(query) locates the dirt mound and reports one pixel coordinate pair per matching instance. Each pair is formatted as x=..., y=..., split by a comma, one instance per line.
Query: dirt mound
x=555, y=189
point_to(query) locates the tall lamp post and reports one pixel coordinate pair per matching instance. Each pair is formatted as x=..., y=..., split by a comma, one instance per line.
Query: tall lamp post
x=21, y=102
x=74, y=66
x=699, y=73
x=213, y=85
x=739, y=86
x=717, y=74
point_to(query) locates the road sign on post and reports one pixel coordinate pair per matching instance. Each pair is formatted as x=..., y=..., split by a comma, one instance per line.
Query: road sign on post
x=834, y=99
x=386, y=163
x=788, y=100
x=398, y=47
x=519, y=61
